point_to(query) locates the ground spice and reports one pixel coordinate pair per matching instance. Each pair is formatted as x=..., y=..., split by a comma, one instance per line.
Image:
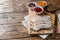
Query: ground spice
x=41, y=3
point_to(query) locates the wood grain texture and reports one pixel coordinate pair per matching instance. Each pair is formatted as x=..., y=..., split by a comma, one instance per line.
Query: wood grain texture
x=21, y=33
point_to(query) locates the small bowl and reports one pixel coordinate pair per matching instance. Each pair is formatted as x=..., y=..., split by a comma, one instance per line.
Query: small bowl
x=32, y=5
x=42, y=3
x=38, y=10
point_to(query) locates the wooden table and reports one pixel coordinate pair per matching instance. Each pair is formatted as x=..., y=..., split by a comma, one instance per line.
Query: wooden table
x=23, y=35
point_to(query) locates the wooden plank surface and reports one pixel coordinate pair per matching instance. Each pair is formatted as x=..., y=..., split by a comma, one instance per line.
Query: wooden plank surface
x=22, y=34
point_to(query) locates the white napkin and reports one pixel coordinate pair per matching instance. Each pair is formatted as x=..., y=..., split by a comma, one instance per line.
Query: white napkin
x=43, y=36
x=25, y=23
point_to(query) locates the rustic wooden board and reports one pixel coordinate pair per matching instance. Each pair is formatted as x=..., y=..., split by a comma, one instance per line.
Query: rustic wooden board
x=31, y=14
